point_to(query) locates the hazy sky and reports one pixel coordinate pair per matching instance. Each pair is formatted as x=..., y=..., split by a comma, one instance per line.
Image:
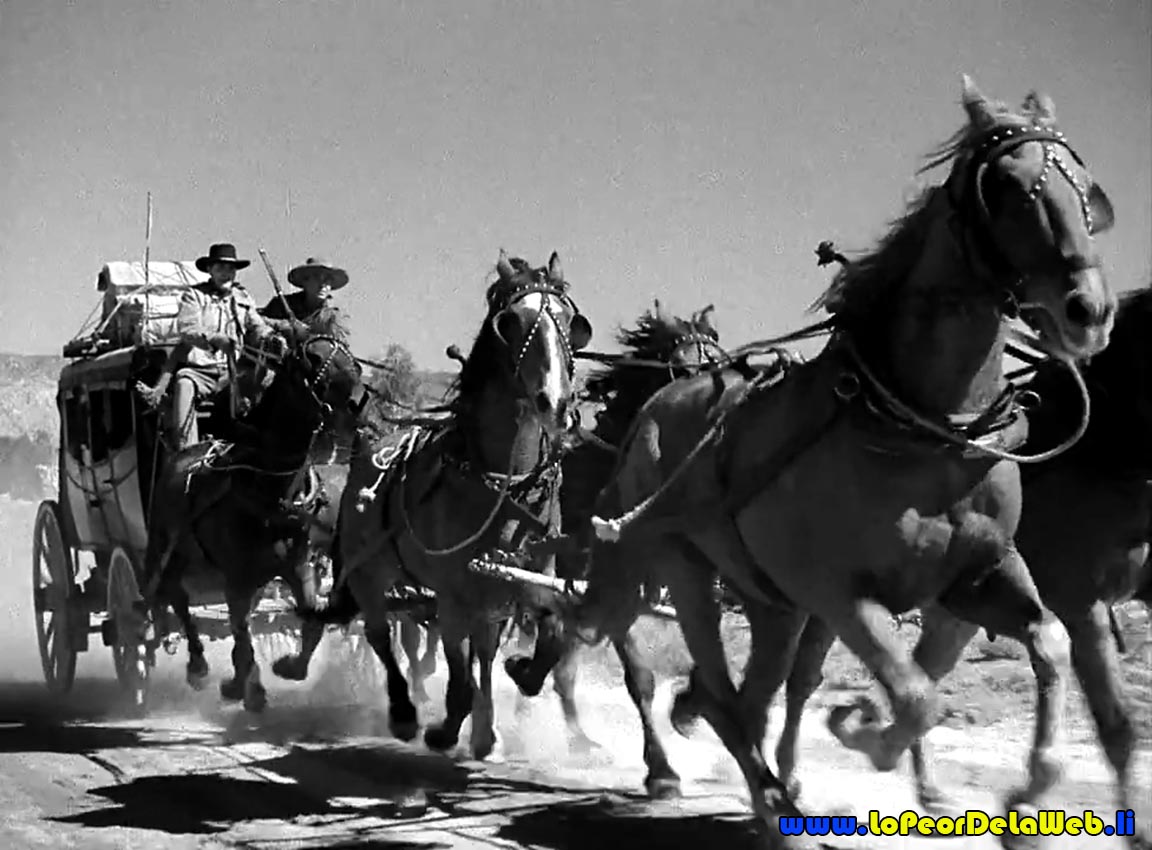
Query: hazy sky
x=695, y=151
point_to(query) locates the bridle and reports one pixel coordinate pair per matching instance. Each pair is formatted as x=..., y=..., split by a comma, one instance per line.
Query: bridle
x=708, y=352
x=552, y=294
x=982, y=254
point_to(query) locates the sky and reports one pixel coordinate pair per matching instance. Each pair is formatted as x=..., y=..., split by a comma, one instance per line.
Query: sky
x=692, y=151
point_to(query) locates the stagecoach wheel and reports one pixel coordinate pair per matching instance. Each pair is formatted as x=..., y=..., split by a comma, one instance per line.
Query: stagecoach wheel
x=53, y=589
x=129, y=652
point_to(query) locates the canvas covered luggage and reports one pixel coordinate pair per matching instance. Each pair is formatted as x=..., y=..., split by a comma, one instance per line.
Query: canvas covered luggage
x=136, y=314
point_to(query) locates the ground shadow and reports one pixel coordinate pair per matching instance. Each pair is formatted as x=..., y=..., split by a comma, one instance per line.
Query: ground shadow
x=32, y=719
x=598, y=824
x=198, y=803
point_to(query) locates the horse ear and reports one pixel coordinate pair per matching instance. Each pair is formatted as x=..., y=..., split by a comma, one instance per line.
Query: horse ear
x=555, y=270
x=975, y=104
x=706, y=317
x=579, y=332
x=504, y=324
x=1041, y=109
x=503, y=267
x=1101, y=208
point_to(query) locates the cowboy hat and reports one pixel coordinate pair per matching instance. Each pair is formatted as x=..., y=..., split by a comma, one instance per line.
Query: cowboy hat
x=315, y=266
x=221, y=252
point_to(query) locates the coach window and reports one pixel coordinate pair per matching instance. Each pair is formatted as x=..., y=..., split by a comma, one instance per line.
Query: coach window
x=97, y=407
x=118, y=418
x=111, y=421
x=75, y=423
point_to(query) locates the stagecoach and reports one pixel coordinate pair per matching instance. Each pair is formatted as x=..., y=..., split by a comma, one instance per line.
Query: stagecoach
x=89, y=544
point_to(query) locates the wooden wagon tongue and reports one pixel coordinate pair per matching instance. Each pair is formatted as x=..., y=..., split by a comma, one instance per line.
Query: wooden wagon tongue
x=497, y=565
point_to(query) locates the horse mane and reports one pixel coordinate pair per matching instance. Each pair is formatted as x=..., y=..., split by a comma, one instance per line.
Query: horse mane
x=862, y=291
x=623, y=387
x=488, y=355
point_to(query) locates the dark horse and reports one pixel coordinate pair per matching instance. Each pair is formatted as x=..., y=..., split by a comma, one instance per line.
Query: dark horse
x=660, y=348
x=235, y=514
x=878, y=476
x=487, y=478
x=1086, y=531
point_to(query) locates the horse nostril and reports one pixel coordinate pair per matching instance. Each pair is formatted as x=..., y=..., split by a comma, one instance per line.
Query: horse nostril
x=1078, y=310
x=543, y=402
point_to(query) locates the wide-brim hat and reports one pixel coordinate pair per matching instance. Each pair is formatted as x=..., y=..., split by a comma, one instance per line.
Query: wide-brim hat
x=221, y=252
x=314, y=267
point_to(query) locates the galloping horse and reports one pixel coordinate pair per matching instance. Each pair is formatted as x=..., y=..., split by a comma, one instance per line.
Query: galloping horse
x=1085, y=533
x=236, y=511
x=487, y=479
x=879, y=475
x=660, y=348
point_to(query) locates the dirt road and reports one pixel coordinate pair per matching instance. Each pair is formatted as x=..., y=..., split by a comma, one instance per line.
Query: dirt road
x=317, y=769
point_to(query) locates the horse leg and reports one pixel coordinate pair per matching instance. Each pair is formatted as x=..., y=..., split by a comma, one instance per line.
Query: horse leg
x=1097, y=665
x=431, y=640
x=245, y=683
x=530, y=671
x=564, y=684
x=689, y=577
x=197, y=669
x=302, y=583
x=807, y=675
x=410, y=639
x=942, y=641
x=461, y=684
x=402, y=719
x=865, y=627
x=485, y=738
x=662, y=781
x=1006, y=602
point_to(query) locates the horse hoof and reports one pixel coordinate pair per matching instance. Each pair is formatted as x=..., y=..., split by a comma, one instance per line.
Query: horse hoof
x=440, y=739
x=411, y=804
x=582, y=745
x=231, y=690
x=255, y=699
x=288, y=667
x=665, y=787
x=857, y=727
x=683, y=716
x=195, y=682
x=517, y=670
x=935, y=803
x=404, y=730
x=793, y=787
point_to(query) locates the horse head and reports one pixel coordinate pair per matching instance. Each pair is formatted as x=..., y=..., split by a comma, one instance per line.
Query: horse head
x=1030, y=210
x=315, y=398
x=685, y=345
x=526, y=344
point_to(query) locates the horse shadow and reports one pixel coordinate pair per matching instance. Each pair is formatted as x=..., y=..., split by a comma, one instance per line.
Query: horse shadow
x=584, y=825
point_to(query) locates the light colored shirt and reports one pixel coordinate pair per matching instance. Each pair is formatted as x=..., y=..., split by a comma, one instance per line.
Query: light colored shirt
x=206, y=311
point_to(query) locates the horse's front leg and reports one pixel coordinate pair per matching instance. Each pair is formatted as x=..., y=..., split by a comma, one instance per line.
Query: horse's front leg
x=938, y=651
x=485, y=739
x=564, y=684
x=1006, y=602
x=1097, y=664
x=245, y=683
x=662, y=781
x=454, y=626
x=806, y=676
x=172, y=589
x=410, y=640
x=302, y=581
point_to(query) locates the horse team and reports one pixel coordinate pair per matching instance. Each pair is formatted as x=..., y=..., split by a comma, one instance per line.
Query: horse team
x=899, y=468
